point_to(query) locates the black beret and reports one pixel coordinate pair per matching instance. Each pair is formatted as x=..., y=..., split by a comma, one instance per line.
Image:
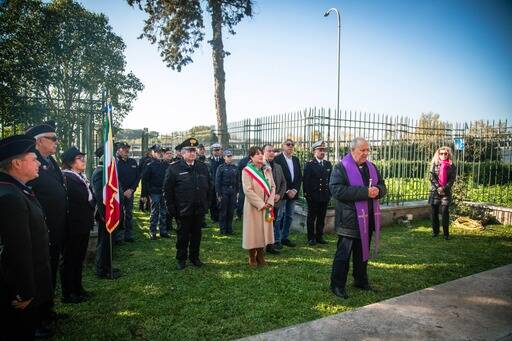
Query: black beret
x=189, y=143
x=70, y=154
x=200, y=145
x=99, y=151
x=156, y=147
x=46, y=127
x=16, y=145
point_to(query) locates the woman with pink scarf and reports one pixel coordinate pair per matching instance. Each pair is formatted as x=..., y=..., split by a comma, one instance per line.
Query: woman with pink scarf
x=442, y=177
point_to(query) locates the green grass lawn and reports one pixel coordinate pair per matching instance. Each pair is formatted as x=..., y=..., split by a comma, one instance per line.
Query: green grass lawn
x=227, y=300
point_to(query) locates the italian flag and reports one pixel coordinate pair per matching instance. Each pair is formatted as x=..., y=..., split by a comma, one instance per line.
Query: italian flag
x=110, y=180
x=258, y=176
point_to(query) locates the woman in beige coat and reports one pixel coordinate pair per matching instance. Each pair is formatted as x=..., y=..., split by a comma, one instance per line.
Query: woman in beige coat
x=259, y=189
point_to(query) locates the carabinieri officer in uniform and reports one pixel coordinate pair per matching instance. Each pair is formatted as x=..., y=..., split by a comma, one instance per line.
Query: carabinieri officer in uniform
x=187, y=190
x=317, y=173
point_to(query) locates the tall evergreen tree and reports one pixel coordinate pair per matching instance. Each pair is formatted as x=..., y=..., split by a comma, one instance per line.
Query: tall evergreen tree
x=177, y=26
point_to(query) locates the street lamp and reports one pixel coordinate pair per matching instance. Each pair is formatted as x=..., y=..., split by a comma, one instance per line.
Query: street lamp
x=336, y=142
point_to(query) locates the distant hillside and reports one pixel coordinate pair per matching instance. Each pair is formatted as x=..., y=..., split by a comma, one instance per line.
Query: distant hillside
x=133, y=134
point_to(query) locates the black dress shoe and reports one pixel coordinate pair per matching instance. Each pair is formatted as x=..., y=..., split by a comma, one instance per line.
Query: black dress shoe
x=321, y=240
x=271, y=249
x=153, y=236
x=72, y=298
x=129, y=240
x=43, y=333
x=288, y=243
x=447, y=237
x=115, y=275
x=278, y=246
x=181, y=265
x=54, y=316
x=434, y=234
x=365, y=287
x=165, y=235
x=312, y=242
x=85, y=294
x=340, y=292
x=197, y=263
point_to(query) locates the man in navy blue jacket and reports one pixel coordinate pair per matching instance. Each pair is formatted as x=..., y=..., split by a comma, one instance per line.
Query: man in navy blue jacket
x=129, y=176
x=153, y=179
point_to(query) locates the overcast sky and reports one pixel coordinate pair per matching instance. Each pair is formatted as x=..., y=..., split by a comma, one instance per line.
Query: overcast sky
x=397, y=57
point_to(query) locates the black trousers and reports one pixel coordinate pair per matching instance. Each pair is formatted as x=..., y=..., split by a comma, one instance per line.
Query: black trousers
x=144, y=207
x=103, y=250
x=19, y=324
x=240, y=204
x=445, y=219
x=189, y=237
x=226, y=211
x=46, y=308
x=316, y=218
x=346, y=247
x=72, y=263
x=214, y=209
x=168, y=223
x=55, y=257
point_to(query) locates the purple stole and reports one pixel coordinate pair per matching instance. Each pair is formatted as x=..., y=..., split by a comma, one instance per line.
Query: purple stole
x=355, y=179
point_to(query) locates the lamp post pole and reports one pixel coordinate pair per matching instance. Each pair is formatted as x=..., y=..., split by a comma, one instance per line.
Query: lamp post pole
x=336, y=141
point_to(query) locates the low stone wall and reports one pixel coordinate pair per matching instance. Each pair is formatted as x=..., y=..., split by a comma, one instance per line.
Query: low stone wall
x=502, y=214
x=390, y=213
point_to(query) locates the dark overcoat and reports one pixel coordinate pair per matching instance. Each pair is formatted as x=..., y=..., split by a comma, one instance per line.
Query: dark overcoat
x=24, y=259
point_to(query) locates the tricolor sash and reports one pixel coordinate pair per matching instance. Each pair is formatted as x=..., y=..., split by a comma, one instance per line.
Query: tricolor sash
x=258, y=176
x=355, y=179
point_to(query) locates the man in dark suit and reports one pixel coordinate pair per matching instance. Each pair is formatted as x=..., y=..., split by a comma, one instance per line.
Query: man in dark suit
x=104, y=268
x=317, y=173
x=226, y=187
x=201, y=153
x=129, y=177
x=25, y=279
x=214, y=162
x=241, y=195
x=51, y=194
x=143, y=162
x=293, y=174
x=153, y=180
x=187, y=190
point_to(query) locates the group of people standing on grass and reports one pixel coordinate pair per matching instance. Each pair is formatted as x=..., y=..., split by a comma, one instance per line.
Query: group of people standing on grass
x=47, y=211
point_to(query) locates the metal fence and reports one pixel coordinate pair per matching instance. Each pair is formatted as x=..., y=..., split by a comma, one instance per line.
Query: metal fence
x=79, y=125
x=401, y=147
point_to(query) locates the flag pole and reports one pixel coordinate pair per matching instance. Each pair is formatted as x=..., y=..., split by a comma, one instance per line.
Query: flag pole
x=111, y=265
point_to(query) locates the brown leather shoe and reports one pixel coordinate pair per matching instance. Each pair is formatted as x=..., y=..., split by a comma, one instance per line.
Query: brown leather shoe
x=260, y=257
x=252, y=258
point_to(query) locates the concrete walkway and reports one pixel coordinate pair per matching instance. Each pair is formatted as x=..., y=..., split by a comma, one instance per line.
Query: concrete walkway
x=477, y=307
